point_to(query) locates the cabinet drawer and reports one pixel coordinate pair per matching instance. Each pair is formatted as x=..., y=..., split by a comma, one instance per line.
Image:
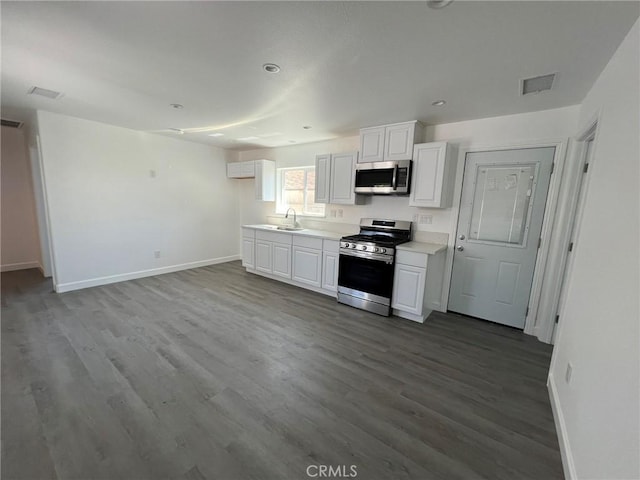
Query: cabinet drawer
x=308, y=242
x=331, y=246
x=412, y=258
x=248, y=233
x=276, y=237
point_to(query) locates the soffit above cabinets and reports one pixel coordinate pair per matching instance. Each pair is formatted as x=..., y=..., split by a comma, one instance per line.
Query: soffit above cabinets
x=343, y=65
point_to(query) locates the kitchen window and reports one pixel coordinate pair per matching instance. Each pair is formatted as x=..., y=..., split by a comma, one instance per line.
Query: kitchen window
x=296, y=189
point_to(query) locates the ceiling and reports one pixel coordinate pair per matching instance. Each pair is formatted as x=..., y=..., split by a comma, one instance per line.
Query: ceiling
x=344, y=65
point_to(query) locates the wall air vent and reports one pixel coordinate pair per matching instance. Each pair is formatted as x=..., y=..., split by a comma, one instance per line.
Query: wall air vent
x=11, y=123
x=537, y=84
x=44, y=93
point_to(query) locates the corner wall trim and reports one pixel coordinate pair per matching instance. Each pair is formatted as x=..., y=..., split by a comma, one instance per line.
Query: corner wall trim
x=10, y=267
x=95, y=282
x=561, y=429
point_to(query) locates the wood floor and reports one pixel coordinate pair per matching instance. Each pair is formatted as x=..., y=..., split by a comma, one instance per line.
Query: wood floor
x=219, y=374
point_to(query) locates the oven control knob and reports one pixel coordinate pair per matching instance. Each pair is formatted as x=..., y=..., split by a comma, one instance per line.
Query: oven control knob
x=346, y=245
x=383, y=250
x=353, y=245
x=363, y=247
x=376, y=250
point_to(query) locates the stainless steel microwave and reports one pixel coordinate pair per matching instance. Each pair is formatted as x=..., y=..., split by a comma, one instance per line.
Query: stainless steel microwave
x=383, y=178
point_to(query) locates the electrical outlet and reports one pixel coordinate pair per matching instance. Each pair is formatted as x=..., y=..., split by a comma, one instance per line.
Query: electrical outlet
x=567, y=375
x=333, y=213
x=153, y=173
x=156, y=253
x=416, y=217
x=426, y=219
x=339, y=213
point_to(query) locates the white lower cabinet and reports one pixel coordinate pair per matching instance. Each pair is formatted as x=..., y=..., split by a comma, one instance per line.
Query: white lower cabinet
x=282, y=260
x=248, y=248
x=307, y=260
x=417, y=284
x=330, y=265
x=263, y=256
x=273, y=253
x=408, y=288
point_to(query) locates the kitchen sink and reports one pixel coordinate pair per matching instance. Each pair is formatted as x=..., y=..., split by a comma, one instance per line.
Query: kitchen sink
x=289, y=229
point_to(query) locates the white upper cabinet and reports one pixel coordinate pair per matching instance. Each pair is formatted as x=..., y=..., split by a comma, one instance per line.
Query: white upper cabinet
x=323, y=178
x=371, y=145
x=265, y=183
x=434, y=169
x=389, y=142
x=264, y=172
x=335, y=178
x=343, y=177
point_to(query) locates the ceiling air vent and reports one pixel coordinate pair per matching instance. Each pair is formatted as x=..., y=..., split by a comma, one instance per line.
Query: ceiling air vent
x=44, y=93
x=10, y=123
x=537, y=84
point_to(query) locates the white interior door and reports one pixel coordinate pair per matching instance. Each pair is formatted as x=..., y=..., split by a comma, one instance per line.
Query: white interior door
x=503, y=200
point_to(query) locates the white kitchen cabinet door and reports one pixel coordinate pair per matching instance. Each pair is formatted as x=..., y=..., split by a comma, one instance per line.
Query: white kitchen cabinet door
x=408, y=288
x=265, y=182
x=433, y=175
x=372, y=144
x=398, y=141
x=263, y=256
x=307, y=265
x=248, y=252
x=247, y=169
x=343, y=177
x=323, y=178
x=330, y=271
x=281, y=260
x=234, y=170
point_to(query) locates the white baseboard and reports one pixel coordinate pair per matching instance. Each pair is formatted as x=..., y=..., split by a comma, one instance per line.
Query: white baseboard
x=10, y=267
x=561, y=429
x=94, y=282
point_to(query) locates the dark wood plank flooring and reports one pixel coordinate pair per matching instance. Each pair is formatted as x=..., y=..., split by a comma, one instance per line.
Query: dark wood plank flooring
x=216, y=373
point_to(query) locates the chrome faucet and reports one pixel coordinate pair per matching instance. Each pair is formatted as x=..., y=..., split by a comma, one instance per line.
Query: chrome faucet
x=295, y=221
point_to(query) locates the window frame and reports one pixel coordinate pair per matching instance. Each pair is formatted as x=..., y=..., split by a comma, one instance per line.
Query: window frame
x=281, y=208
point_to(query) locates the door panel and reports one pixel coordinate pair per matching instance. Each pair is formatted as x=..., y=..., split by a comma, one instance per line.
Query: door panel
x=503, y=200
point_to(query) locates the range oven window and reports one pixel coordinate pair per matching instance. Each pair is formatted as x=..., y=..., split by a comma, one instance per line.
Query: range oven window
x=370, y=276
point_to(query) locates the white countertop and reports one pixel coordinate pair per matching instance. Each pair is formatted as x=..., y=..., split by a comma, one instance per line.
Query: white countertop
x=422, y=247
x=418, y=247
x=307, y=232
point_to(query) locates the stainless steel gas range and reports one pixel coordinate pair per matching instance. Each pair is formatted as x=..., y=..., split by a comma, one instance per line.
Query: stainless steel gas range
x=366, y=264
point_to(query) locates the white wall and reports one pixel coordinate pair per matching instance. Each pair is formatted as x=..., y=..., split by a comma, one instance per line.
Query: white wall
x=548, y=124
x=108, y=214
x=599, y=325
x=19, y=232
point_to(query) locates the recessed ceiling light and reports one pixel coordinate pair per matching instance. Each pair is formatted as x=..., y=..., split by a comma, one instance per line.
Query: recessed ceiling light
x=438, y=103
x=307, y=127
x=217, y=134
x=271, y=68
x=247, y=139
x=177, y=106
x=438, y=3
x=179, y=131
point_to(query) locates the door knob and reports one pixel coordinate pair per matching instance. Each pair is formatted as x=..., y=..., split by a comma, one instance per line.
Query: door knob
x=462, y=237
x=460, y=248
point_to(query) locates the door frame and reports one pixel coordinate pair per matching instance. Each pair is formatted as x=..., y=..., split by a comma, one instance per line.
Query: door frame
x=566, y=216
x=560, y=145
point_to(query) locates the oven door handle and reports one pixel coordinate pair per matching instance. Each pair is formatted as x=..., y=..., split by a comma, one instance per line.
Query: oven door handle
x=368, y=256
x=394, y=180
